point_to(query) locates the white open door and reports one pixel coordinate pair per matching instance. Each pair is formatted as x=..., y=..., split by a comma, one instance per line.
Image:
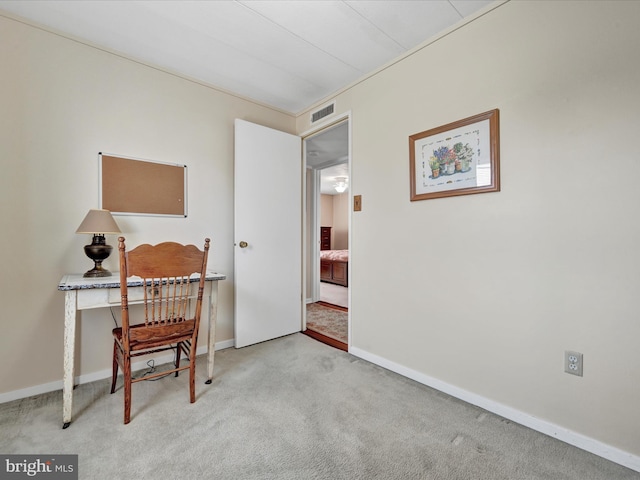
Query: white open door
x=268, y=233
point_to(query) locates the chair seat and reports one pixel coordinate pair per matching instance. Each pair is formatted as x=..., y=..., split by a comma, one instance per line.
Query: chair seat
x=143, y=337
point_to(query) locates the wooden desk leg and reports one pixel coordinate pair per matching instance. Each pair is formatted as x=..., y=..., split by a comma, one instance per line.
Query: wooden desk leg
x=213, y=315
x=69, y=353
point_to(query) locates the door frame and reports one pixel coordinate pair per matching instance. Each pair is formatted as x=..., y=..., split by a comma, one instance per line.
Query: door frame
x=315, y=219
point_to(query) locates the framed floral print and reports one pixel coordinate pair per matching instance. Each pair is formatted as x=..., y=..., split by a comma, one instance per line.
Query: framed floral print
x=459, y=158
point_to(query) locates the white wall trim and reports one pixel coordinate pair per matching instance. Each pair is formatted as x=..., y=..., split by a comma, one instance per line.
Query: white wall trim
x=568, y=436
x=102, y=374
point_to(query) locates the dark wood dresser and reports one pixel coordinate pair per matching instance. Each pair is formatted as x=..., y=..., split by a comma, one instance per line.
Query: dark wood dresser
x=325, y=238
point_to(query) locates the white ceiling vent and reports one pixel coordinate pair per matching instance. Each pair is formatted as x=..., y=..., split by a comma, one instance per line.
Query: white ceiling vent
x=323, y=112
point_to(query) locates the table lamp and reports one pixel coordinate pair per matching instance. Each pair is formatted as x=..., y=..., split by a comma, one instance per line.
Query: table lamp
x=98, y=223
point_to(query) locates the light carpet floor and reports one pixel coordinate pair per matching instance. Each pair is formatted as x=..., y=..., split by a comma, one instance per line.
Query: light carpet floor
x=294, y=409
x=334, y=294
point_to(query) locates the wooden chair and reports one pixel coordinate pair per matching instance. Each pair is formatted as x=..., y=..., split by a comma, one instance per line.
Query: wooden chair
x=166, y=271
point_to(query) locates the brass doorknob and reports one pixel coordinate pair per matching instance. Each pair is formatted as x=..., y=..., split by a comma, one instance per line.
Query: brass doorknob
x=243, y=244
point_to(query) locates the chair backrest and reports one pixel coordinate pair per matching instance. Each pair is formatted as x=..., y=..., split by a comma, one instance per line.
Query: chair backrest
x=167, y=272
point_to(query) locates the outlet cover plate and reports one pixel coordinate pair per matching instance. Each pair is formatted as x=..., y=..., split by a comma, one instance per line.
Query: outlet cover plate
x=573, y=363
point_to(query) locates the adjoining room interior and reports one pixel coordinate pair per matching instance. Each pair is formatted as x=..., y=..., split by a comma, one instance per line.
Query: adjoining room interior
x=327, y=161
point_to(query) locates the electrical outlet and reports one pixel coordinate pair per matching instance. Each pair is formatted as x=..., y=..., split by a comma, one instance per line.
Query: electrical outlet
x=573, y=363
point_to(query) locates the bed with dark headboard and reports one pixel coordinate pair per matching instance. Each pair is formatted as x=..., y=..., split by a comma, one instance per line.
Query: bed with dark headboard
x=334, y=266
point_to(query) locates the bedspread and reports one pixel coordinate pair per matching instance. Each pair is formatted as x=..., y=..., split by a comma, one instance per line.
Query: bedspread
x=335, y=255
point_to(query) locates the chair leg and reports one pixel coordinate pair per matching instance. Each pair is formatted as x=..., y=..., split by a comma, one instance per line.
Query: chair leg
x=127, y=389
x=178, y=354
x=192, y=376
x=114, y=375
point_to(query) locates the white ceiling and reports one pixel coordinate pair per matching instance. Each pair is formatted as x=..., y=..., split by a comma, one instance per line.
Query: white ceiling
x=287, y=54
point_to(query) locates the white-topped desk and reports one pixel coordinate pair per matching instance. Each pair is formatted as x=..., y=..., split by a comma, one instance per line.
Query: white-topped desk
x=87, y=293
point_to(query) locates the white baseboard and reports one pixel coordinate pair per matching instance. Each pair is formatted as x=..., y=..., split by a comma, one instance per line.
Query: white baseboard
x=102, y=374
x=572, y=438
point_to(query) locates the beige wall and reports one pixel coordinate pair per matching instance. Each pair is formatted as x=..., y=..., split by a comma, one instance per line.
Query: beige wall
x=340, y=229
x=334, y=213
x=326, y=211
x=62, y=103
x=486, y=292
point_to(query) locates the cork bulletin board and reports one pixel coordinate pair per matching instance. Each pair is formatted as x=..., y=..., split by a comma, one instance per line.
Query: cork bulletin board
x=134, y=186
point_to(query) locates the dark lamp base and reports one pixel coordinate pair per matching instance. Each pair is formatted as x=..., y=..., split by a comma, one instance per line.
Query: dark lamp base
x=98, y=251
x=97, y=271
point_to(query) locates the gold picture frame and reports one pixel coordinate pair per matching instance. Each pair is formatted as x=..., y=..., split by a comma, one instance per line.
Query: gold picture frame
x=460, y=158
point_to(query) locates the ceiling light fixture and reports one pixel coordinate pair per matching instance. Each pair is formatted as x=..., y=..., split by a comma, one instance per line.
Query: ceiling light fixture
x=341, y=184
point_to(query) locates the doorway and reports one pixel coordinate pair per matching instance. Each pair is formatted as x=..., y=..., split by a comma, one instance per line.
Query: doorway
x=328, y=234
